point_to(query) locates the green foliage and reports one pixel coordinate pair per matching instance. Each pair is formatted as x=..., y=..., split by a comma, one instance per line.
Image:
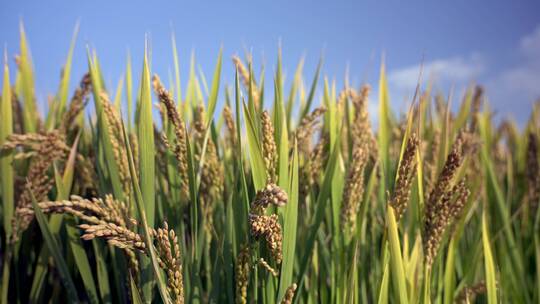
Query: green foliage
x=489, y=252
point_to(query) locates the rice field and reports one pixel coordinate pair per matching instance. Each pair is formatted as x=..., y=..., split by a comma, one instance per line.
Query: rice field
x=263, y=191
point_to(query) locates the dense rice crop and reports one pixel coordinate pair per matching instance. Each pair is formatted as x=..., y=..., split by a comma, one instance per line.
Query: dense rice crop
x=231, y=196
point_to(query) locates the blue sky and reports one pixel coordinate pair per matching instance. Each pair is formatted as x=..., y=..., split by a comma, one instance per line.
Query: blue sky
x=495, y=43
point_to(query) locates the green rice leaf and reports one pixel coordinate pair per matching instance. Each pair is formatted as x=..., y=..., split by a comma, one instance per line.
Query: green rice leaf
x=117, y=101
x=129, y=93
x=385, y=282
x=176, y=71
x=140, y=204
x=6, y=158
x=396, y=259
x=66, y=75
x=212, y=99
x=255, y=153
x=56, y=252
x=491, y=281
x=102, y=123
x=384, y=125
x=27, y=85
x=290, y=219
x=312, y=90
x=147, y=164
x=320, y=204
x=6, y=170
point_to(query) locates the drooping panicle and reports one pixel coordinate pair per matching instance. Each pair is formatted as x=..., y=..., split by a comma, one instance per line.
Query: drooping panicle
x=114, y=125
x=179, y=146
x=242, y=270
x=108, y=219
x=170, y=260
x=267, y=226
x=533, y=172
x=313, y=166
x=475, y=107
x=306, y=128
x=406, y=170
x=262, y=262
x=445, y=203
x=43, y=150
x=247, y=80
x=271, y=194
x=269, y=146
x=289, y=294
x=231, y=126
x=469, y=293
x=78, y=101
x=361, y=127
x=354, y=188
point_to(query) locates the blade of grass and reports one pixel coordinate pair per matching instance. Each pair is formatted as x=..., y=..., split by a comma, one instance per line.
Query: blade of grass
x=27, y=85
x=144, y=222
x=79, y=254
x=290, y=219
x=135, y=295
x=489, y=265
x=56, y=252
x=117, y=101
x=255, y=153
x=320, y=204
x=385, y=282
x=147, y=164
x=6, y=170
x=66, y=75
x=384, y=126
x=212, y=99
x=102, y=122
x=312, y=90
x=294, y=90
x=176, y=70
x=6, y=158
x=396, y=259
x=129, y=93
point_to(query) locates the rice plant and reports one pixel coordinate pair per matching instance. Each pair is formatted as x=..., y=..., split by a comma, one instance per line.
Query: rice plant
x=261, y=192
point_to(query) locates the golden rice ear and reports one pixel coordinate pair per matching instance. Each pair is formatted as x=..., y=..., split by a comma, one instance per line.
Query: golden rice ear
x=469, y=293
x=114, y=124
x=77, y=104
x=533, y=172
x=268, y=226
x=247, y=81
x=269, y=149
x=170, y=261
x=306, y=128
x=406, y=170
x=445, y=203
x=179, y=147
x=242, y=270
x=289, y=294
x=48, y=147
x=231, y=127
x=354, y=186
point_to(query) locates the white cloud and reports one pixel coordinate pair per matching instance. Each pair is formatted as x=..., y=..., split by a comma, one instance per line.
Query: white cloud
x=511, y=90
x=530, y=44
x=455, y=70
x=524, y=77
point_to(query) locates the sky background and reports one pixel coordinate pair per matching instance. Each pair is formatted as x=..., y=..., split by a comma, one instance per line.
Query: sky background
x=494, y=43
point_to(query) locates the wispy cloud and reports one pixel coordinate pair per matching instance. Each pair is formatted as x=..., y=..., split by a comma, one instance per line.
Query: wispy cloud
x=511, y=90
x=530, y=44
x=455, y=70
x=524, y=77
